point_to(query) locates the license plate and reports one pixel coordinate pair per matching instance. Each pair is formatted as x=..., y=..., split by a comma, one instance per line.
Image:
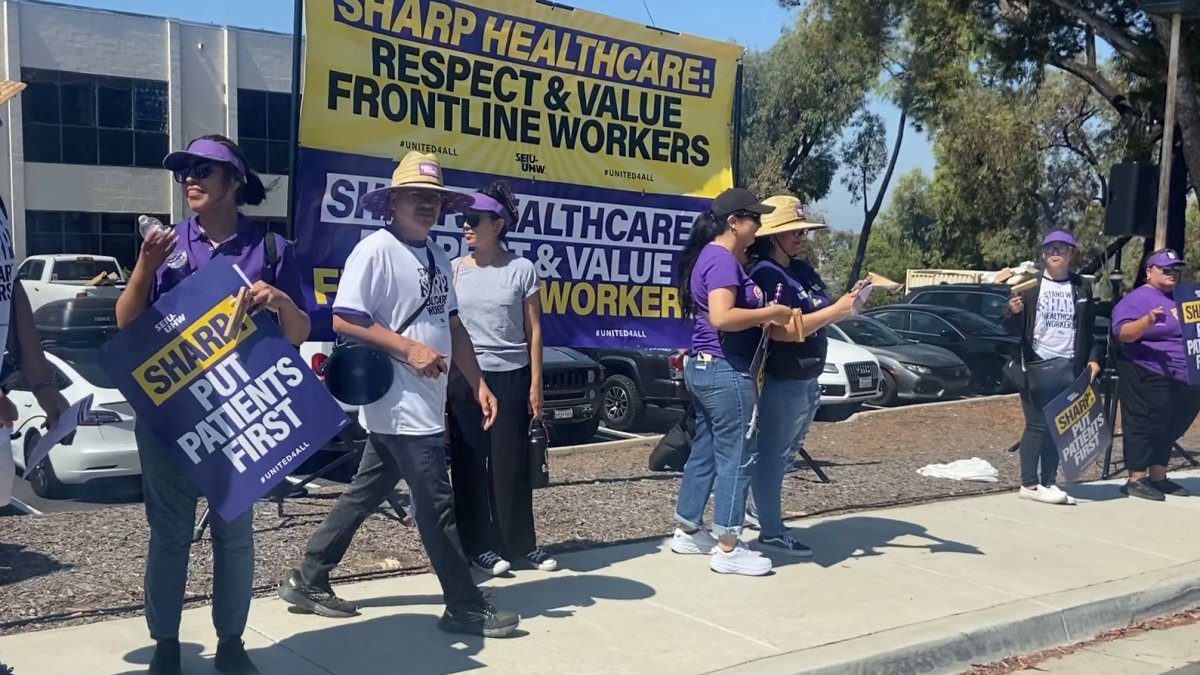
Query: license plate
x=866, y=383
x=564, y=414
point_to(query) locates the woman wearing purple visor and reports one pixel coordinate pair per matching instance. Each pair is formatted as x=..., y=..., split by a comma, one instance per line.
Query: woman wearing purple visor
x=215, y=180
x=499, y=301
x=1157, y=404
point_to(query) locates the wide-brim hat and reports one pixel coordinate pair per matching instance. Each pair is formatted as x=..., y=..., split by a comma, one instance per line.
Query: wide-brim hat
x=788, y=216
x=9, y=90
x=417, y=171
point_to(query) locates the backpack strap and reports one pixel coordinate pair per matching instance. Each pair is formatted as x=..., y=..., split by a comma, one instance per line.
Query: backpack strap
x=271, y=243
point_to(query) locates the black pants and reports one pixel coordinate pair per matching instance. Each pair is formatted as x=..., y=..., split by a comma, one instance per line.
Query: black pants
x=1037, y=443
x=492, y=494
x=1156, y=411
x=422, y=461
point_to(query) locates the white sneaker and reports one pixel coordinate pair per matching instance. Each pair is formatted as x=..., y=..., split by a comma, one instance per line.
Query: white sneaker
x=739, y=561
x=700, y=542
x=1044, y=495
x=1066, y=498
x=491, y=563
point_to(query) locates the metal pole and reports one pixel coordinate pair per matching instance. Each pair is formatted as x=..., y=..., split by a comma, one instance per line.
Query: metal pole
x=737, y=129
x=297, y=75
x=1167, y=155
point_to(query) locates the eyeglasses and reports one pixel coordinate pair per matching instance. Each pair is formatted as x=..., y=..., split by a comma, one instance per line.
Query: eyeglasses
x=1061, y=250
x=1172, y=271
x=199, y=171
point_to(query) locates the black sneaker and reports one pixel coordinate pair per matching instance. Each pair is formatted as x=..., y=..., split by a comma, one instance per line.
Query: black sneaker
x=166, y=658
x=1142, y=489
x=233, y=660
x=479, y=618
x=318, y=599
x=785, y=545
x=1170, y=487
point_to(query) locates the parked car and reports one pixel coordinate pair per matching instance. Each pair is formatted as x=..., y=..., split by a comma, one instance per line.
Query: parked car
x=911, y=372
x=104, y=446
x=571, y=391
x=851, y=378
x=986, y=300
x=48, y=278
x=635, y=379
x=982, y=344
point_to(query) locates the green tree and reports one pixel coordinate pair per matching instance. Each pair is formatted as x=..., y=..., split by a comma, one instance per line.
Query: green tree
x=865, y=155
x=913, y=214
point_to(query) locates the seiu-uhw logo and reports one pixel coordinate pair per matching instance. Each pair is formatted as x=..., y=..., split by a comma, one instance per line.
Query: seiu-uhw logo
x=170, y=322
x=529, y=163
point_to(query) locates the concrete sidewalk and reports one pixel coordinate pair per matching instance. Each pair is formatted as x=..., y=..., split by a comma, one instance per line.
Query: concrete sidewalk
x=1171, y=651
x=929, y=588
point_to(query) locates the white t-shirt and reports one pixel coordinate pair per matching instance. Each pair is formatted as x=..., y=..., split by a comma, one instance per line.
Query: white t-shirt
x=386, y=279
x=1054, y=327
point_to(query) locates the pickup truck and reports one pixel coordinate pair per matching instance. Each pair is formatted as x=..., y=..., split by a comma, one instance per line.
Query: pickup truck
x=50, y=278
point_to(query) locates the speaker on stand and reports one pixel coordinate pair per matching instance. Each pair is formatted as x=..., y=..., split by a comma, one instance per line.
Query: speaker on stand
x=1132, y=206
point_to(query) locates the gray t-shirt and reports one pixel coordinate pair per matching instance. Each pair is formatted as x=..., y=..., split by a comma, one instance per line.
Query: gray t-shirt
x=491, y=304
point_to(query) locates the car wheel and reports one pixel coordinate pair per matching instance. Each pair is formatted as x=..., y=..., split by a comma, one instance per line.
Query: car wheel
x=623, y=407
x=42, y=479
x=890, y=392
x=988, y=378
x=579, y=433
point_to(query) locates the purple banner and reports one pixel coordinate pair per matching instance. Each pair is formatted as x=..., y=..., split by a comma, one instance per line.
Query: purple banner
x=606, y=258
x=1187, y=307
x=238, y=415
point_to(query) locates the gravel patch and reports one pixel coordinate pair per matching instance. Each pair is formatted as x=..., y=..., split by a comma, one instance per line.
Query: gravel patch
x=66, y=568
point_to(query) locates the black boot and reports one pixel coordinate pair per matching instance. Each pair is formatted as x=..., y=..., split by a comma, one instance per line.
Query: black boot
x=232, y=658
x=166, y=658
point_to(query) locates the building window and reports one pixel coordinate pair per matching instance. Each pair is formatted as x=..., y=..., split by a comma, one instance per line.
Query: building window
x=111, y=234
x=75, y=118
x=265, y=129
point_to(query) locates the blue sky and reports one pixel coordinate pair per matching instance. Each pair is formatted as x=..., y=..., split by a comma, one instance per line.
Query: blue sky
x=754, y=23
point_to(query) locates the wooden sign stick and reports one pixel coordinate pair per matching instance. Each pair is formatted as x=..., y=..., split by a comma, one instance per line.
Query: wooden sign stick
x=240, y=306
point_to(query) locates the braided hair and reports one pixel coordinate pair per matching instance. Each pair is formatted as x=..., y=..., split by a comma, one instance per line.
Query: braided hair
x=504, y=194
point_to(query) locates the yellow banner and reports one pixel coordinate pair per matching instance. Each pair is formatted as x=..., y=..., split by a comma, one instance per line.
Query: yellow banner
x=521, y=89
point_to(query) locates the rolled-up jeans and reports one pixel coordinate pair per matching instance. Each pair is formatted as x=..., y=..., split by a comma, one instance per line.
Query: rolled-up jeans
x=721, y=453
x=171, y=512
x=786, y=410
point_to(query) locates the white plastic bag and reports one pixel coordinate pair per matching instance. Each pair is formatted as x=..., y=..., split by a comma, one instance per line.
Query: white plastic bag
x=974, y=469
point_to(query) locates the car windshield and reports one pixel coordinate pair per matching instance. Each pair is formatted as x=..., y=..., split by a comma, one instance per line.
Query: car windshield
x=973, y=324
x=86, y=362
x=82, y=270
x=871, y=333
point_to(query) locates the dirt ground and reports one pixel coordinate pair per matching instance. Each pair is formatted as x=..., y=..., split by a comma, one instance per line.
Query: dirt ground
x=67, y=568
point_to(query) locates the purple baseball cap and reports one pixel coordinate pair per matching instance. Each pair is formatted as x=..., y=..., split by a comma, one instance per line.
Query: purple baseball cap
x=1059, y=237
x=203, y=150
x=1164, y=258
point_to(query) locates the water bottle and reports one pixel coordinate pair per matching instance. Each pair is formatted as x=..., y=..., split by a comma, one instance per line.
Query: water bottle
x=539, y=461
x=148, y=224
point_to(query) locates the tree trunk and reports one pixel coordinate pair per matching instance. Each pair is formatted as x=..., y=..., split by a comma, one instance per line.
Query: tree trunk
x=873, y=212
x=1187, y=109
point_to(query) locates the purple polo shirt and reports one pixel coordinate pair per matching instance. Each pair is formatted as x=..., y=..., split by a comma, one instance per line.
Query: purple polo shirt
x=1161, y=348
x=716, y=268
x=247, y=249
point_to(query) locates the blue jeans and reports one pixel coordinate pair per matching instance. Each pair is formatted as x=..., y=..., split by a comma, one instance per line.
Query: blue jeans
x=171, y=512
x=724, y=403
x=785, y=413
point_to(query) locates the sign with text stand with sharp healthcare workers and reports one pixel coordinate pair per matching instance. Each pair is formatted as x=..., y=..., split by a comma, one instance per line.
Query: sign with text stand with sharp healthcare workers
x=238, y=415
x=1079, y=426
x=1187, y=304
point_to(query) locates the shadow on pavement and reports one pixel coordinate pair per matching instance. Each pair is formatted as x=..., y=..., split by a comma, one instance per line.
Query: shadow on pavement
x=1096, y=492
x=836, y=541
x=18, y=563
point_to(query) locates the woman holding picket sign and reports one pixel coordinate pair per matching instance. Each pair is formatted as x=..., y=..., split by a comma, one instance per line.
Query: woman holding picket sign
x=1158, y=405
x=499, y=301
x=729, y=311
x=790, y=394
x=1056, y=320
x=215, y=178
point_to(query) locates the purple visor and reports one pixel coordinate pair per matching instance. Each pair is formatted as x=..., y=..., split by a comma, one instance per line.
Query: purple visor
x=1059, y=237
x=201, y=150
x=482, y=202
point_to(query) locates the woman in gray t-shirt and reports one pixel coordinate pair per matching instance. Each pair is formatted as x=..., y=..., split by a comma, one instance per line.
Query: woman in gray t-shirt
x=499, y=302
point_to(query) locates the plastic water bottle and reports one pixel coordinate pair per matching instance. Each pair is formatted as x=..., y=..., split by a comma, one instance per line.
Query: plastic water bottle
x=148, y=224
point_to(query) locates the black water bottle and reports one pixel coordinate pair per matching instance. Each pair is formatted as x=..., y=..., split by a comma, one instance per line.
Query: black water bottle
x=539, y=457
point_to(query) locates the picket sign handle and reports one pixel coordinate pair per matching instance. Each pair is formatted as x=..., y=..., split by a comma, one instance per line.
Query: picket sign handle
x=240, y=307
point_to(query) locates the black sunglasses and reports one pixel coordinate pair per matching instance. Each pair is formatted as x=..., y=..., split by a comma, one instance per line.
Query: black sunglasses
x=199, y=171
x=747, y=214
x=472, y=219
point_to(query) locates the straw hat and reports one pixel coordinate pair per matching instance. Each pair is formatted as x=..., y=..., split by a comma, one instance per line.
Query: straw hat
x=417, y=171
x=9, y=90
x=788, y=216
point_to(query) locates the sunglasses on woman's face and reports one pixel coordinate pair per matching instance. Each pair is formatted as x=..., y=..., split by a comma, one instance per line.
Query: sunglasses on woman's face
x=1060, y=250
x=1172, y=271
x=471, y=220
x=199, y=171
x=746, y=215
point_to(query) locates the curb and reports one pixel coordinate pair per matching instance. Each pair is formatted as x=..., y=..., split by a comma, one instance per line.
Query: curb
x=566, y=451
x=936, y=404
x=954, y=644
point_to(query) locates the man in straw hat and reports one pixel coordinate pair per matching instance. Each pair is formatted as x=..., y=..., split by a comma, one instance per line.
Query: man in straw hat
x=19, y=339
x=395, y=296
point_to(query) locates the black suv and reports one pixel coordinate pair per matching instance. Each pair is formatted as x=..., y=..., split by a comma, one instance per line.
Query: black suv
x=571, y=385
x=636, y=378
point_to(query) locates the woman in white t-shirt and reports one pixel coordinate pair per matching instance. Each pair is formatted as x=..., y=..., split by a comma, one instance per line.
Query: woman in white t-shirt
x=499, y=302
x=1055, y=319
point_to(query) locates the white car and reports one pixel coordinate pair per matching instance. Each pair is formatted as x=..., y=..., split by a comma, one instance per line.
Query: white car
x=851, y=377
x=104, y=447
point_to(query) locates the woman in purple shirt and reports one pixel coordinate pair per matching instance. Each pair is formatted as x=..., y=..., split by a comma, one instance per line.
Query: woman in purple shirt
x=1157, y=404
x=730, y=311
x=215, y=178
